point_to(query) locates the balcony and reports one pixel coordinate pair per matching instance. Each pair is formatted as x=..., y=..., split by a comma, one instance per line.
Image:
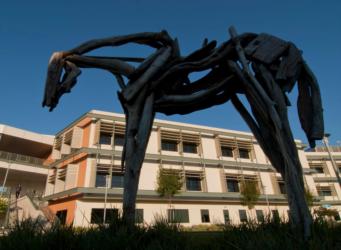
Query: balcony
x=18, y=158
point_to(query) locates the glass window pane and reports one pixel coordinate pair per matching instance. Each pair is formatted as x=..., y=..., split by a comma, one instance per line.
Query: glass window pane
x=169, y=145
x=282, y=188
x=61, y=215
x=117, y=180
x=226, y=216
x=244, y=153
x=193, y=183
x=226, y=151
x=190, y=147
x=275, y=215
x=119, y=140
x=260, y=215
x=139, y=215
x=242, y=215
x=232, y=185
x=100, y=179
x=205, y=216
x=178, y=215
x=105, y=138
x=97, y=215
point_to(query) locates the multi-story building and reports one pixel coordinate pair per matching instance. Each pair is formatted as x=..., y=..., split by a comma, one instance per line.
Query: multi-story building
x=211, y=161
x=23, y=166
x=22, y=157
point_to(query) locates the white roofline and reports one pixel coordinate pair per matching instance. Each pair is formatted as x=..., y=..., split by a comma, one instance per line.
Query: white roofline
x=25, y=134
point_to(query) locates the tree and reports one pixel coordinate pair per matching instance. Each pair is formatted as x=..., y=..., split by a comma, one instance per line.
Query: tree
x=3, y=205
x=249, y=192
x=169, y=183
x=322, y=212
x=309, y=197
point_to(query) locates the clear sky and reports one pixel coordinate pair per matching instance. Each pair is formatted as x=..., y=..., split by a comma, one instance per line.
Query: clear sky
x=31, y=30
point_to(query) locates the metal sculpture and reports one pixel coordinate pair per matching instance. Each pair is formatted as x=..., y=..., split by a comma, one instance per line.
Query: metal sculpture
x=261, y=67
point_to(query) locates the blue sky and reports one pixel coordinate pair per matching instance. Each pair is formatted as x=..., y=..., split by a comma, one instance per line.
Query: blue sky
x=31, y=30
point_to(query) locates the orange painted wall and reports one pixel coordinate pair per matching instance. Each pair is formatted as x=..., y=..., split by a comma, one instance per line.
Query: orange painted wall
x=86, y=135
x=81, y=173
x=69, y=205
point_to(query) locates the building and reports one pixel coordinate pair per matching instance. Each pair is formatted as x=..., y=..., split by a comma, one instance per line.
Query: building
x=211, y=161
x=22, y=157
x=23, y=161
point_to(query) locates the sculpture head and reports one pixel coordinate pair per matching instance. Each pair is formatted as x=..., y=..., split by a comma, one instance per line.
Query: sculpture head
x=61, y=77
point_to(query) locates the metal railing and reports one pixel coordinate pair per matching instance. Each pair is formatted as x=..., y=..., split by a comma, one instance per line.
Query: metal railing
x=13, y=157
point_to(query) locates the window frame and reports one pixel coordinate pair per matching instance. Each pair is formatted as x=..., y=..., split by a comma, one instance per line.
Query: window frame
x=227, y=149
x=119, y=139
x=107, y=140
x=260, y=216
x=244, y=153
x=205, y=215
x=242, y=216
x=187, y=145
x=174, y=215
x=111, y=214
x=235, y=184
x=193, y=178
x=226, y=215
x=165, y=145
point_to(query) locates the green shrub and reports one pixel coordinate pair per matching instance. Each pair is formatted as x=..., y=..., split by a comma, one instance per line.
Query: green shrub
x=249, y=192
x=161, y=234
x=3, y=205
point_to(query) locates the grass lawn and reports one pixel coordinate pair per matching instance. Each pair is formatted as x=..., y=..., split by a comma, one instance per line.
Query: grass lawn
x=163, y=235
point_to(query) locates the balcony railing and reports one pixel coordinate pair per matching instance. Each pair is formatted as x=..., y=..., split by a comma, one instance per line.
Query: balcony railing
x=13, y=157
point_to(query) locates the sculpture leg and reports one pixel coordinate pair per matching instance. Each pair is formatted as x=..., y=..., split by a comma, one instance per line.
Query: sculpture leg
x=139, y=121
x=270, y=126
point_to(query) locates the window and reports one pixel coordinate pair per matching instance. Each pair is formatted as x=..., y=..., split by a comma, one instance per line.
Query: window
x=317, y=167
x=139, y=215
x=324, y=191
x=337, y=217
x=100, y=179
x=232, y=184
x=260, y=216
x=275, y=215
x=193, y=183
x=281, y=186
x=105, y=138
x=242, y=215
x=226, y=151
x=178, y=215
x=226, y=216
x=244, y=153
x=119, y=140
x=189, y=147
x=97, y=215
x=169, y=145
x=117, y=180
x=205, y=216
x=61, y=215
x=319, y=170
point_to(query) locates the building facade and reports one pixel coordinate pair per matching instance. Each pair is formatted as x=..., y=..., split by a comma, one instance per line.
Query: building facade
x=23, y=159
x=212, y=163
x=23, y=166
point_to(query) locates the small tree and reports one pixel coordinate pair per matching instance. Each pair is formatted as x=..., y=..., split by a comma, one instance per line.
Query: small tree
x=249, y=193
x=169, y=183
x=323, y=212
x=3, y=205
x=309, y=197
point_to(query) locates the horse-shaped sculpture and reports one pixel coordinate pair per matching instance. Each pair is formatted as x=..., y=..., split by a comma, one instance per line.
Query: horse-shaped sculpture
x=261, y=67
